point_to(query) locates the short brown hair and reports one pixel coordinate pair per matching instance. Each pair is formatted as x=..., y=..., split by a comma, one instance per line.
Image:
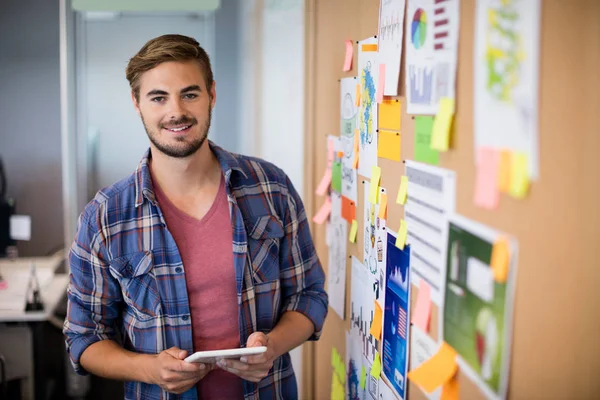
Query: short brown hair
x=167, y=48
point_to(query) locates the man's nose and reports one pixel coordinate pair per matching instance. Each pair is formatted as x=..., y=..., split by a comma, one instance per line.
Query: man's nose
x=176, y=109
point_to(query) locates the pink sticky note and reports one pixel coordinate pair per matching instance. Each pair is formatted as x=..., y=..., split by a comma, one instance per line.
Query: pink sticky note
x=330, y=152
x=324, y=184
x=348, y=59
x=380, y=83
x=422, y=312
x=324, y=212
x=486, y=188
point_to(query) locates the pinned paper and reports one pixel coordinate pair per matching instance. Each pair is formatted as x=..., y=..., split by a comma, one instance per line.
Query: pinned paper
x=353, y=231
x=486, y=189
x=377, y=324
x=324, y=184
x=356, y=141
x=363, y=378
x=323, y=212
x=374, y=187
x=422, y=312
x=336, y=176
x=440, y=138
x=389, y=114
x=376, y=367
x=348, y=58
x=388, y=145
x=402, y=234
x=383, y=206
x=451, y=390
x=499, y=260
x=519, y=177
x=504, y=171
x=20, y=227
x=403, y=190
x=436, y=371
x=423, y=151
x=348, y=209
x=357, y=95
x=380, y=83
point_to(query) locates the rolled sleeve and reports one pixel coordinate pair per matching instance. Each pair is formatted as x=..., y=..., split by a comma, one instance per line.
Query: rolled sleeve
x=94, y=296
x=302, y=276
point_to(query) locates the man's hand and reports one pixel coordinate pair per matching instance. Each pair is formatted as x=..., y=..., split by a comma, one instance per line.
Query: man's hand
x=170, y=372
x=252, y=368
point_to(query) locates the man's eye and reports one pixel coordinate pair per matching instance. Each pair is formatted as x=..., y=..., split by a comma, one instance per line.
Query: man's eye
x=158, y=99
x=190, y=96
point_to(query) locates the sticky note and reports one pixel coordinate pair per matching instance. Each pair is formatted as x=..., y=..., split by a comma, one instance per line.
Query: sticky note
x=388, y=145
x=356, y=141
x=389, y=115
x=402, y=234
x=423, y=151
x=348, y=58
x=376, y=367
x=436, y=371
x=369, y=47
x=422, y=311
x=337, y=388
x=357, y=95
x=330, y=152
x=336, y=176
x=499, y=260
x=440, y=137
x=376, y=325
x=403, y=190
x=324, y=184
x=353, y=231
x=348, y=209
x=486, y=189
x=382, y=206
x=504, y=171
x=363, y=378
x=374, y=187
x=519, y=177
x=380, y=83
x=451, y=390
x=323, y=212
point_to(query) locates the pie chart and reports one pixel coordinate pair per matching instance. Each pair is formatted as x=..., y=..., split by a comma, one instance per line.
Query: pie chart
x=419, y=28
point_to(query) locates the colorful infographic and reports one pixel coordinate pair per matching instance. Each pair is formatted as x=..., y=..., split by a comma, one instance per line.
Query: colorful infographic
x=367, y=112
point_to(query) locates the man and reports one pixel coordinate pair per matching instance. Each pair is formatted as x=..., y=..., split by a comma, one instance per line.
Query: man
x=199, y=249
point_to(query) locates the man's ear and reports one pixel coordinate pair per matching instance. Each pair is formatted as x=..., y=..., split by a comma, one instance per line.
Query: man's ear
x=213, y=94
x=135, y=103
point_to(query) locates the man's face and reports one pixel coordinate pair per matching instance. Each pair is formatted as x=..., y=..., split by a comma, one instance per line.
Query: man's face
x=175, y=107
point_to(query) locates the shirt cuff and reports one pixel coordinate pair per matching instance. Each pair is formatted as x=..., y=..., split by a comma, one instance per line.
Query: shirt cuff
x=313, y=305
x=76, y=345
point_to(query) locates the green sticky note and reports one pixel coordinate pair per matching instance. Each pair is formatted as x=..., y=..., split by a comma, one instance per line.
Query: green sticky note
x=363, y=378
x=336, y=176
x=423, y=151
x=376, y=367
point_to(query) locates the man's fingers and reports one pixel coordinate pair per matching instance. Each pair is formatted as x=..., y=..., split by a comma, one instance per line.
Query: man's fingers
x=235, y=364
x=183, y=366
x=257, y=339
x=257, y=359
x=174, y=352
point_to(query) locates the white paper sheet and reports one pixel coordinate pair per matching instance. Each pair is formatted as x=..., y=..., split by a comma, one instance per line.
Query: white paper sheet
x=368, y=71
x=375, y=243
x=362, y=307
x=348, y=121
x=430, y=202
x=506, y=66
x=391, y=29
x=336, y=269
x=422, y=348
x=431, y=53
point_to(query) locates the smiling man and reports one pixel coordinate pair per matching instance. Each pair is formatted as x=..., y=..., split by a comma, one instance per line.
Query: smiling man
x=199, y=249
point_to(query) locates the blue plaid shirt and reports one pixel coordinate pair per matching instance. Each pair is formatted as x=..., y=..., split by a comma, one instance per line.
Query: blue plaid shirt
x=128, y=280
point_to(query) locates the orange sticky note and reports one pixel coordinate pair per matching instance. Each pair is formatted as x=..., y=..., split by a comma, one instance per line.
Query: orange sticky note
x=369, y=47
x=323, y=212
x=353, y=231
x=504, y=171
x=436, y=371
x=389, y=115
x=374, y=188
x=519, y=176
x=389, y=145
x=356, y=141
x=486, y=190
x=499, y=260
x=442, y=125
x=324, y=184
x=422, y=312
x=357, y=95
x=451, y=390
x=376, y=325
x=380, y=83
x=402, y=234
x=383, y=206
x=348, y=209
x=348, y=58
x=403, y=190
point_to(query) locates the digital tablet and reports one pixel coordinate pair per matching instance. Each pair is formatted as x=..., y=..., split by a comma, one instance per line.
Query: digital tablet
x=212, y=356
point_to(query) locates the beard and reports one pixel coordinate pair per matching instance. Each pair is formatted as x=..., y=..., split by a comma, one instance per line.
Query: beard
x=183, y=148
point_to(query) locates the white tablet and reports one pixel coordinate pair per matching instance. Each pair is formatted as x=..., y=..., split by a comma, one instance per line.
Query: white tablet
x=212, y=356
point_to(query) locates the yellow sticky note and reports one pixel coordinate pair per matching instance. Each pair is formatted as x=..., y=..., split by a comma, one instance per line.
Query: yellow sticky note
x=374, y=188
x=363, y=378
x=390, y=114
x=519, y=177
x=357, y=95
x=440, y=138
x=353, y=231
x=337, y=388
x=504, y=171
x=389, y=145
x=451, y=390
x=499, y=260
x=402, y=234
x=436, y=371
x=376, y=325
x=376, y=367
x=403, y=190
x=383, y=206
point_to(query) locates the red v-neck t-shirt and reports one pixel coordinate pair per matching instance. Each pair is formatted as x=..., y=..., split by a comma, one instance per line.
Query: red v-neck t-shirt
x=206, y=250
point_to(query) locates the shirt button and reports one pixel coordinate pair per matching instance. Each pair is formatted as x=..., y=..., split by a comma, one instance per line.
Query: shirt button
x=179, y=270
x=185, y=318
